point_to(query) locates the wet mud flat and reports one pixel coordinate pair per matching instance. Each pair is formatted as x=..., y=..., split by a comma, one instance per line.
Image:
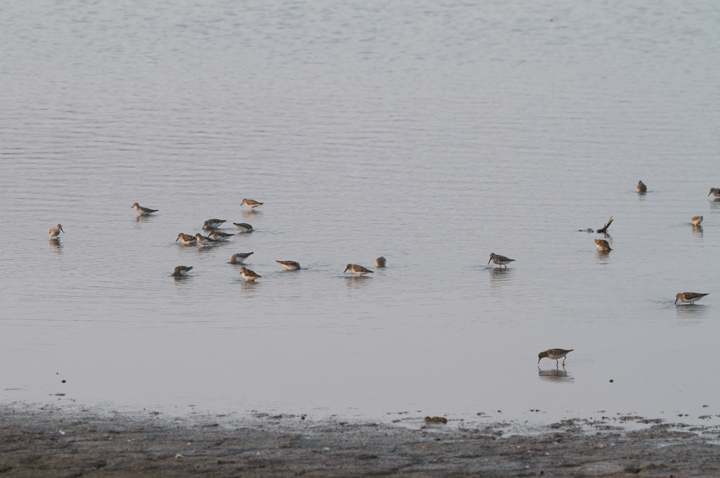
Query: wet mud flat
x=56, y=442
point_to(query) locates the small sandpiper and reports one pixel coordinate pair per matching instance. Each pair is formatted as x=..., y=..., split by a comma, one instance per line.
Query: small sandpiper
x=186, y=238
x=251, y=203
x=143, y=211
x=380, y=262
x=211, y=224
x=220, y=236
x=715, y=192
x=204, y=240
x=290, y=265
x=240, y=257
x=554, y=354
x=243, y=226
x=603, y=245
x=356, y=269
x=55, y=231
x=641, y=187
x=181, y=271
x=697, y=220
x=688, y=297
x=500, y=260
x=249, y=275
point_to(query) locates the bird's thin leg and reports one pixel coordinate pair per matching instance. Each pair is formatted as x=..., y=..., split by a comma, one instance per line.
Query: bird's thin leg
x=564, y=360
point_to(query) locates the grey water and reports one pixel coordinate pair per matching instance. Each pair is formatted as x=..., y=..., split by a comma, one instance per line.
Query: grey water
x=430, y=132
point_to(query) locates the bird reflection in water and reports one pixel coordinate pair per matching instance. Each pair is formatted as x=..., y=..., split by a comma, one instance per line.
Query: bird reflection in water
x=500, y=274
x=692, y=315
x=251, y=213
x=56, y=245
x=357, y=282
x=715, y=203
x=697, y=231
x=143, y=218
x=602, y=256
x=249, y=287
x=555, y=374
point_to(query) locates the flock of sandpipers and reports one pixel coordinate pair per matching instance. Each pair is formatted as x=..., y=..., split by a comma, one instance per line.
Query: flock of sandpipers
x=215, y=236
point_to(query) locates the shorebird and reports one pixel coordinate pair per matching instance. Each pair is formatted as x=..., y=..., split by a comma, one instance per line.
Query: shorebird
x=604, y=229
x=213, y=223
x=356, y=269
x=715, y=192
x=641, y=187
x=243, y=226
x=380, y=262
x=603, y=245
x=55, y=231
x=143, y=211
x=186, y=238
x=220, y=236
x=204, y=240
x=181, y=271
x=248, y=274
x=289, y=265
x=688, y=297
x=697, y=220
x=240, y=257
x=554, y=354
x=500, y=260
x=251, y=203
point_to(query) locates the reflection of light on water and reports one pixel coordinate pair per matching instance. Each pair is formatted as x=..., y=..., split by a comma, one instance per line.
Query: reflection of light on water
x=555, y=375
x=691, y=314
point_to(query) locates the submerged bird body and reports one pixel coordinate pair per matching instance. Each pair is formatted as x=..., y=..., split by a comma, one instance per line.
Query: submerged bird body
x=688, y=297
x=220, y=236
x=380, y=262
x=204, y=240
x=358, y=270
x=554, y=354
x=186, y=238
x=251, y=203
x=641, y=187
x=213, y=223
x=243, y=226
x=249, y=275
x=715, y=192
x=240, y=257
x=143, y=211
x=697, y=220
x=500, y=260
x=603, y=245
x=181, y=271
x=55, y=231
x=289, y=265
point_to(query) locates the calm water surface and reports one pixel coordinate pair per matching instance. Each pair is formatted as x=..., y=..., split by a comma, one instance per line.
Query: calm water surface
x=432, y=133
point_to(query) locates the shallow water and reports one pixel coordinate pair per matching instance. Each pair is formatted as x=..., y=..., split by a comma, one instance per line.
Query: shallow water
x=433, y=134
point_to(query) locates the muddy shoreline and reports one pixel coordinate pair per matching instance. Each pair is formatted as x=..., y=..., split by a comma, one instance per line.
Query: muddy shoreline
x=55, y=442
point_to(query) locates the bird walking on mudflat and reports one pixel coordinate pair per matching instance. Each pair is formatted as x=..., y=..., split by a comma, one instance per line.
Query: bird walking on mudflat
x=358, y=270
x=289, y=265
x=641, y=187
x=249, y=275
x=251, y=203
x=554, y=354
x=688, y=297
x=143, y=211
x=603, y=245
x=500, y=260
x=181, y=271
x=240, y=257
x=55, y=231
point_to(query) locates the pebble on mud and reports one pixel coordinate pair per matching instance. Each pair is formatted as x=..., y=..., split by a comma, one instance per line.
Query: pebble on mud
x=435, y=420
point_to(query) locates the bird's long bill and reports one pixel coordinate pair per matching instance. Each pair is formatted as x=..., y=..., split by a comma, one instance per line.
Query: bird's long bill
x=490, y=260
x=676, y=301
x=710, y=193
x=539, y=359
x=345, y=270
x=177, y=239
x=61, y=229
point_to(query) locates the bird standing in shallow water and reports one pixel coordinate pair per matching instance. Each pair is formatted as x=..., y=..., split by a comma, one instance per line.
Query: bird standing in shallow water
x=641, y=187
x=500, y=260
x=697, y=220
x=603, y=245
x=213, y=223
x=358, y=270
x=143, y=211
x=289, y=265
x=249, y=275
x=251, y=203
x=715, y=192
x=186, y=239
x=204, y=240
x=55, y=231
x=554, y=354
x=181, y=271
x=688, y=297
x=380, y=262
x=220, y=236
x=243, y=226
x=240, y=257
